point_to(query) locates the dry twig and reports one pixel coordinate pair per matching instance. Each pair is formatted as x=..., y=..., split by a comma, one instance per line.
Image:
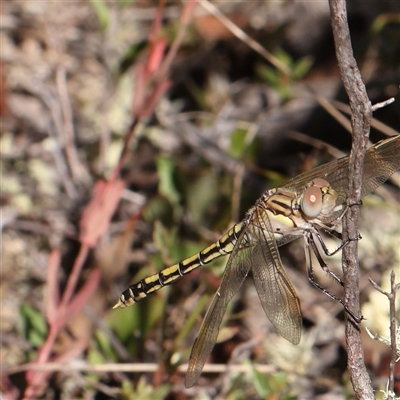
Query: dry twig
x=394, y=288
x=360, y=122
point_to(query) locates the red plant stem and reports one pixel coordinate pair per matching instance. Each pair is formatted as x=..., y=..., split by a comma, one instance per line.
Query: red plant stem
x=73, y=278
x=115, y=172
x=35, y=378
x=185, y=20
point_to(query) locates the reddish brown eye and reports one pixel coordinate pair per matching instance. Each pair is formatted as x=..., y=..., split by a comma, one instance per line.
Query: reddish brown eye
x=311, y=204
x=320, y=182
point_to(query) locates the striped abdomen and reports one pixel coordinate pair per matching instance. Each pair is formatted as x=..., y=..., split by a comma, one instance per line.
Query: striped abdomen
x=140, y=290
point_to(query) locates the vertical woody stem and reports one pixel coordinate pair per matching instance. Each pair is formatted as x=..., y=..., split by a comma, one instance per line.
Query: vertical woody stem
x=360, y=121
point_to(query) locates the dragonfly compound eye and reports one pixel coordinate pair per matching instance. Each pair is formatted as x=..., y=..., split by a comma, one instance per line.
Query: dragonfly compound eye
x=311, y=203
x=320, y=182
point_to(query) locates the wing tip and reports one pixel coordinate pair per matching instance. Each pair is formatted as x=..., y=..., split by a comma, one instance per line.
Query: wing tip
x=191, y=378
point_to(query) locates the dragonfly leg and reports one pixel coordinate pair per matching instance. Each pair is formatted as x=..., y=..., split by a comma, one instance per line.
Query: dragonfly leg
x=337, y=235
x=310, y=244
x=322, y=263
x=358, y=203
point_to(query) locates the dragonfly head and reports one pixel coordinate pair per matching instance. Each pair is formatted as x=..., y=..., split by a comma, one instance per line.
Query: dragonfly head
x=318, y=198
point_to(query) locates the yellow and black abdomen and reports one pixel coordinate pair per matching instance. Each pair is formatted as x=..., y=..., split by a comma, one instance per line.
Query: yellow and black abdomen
x=141, y=289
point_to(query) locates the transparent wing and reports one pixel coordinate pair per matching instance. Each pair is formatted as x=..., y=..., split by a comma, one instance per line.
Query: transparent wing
x=237, y=268
x=277, y=295
x=287, y=238
x=381, y=161
x=255, y=250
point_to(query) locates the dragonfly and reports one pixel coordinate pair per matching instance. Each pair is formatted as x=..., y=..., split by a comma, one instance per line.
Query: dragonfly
x=305, y=206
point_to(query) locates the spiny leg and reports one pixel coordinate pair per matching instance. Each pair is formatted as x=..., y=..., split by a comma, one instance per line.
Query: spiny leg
x=310, y=244
x=337, y=235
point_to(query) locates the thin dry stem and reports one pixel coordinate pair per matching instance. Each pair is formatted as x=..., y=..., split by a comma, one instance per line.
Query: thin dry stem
x=78, y=171
x=360, y=120
x=394, y=288
x=240, y=34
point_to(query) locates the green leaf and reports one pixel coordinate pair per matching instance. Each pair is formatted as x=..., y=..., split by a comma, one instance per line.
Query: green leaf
x=143, y=391
x=94, y=357
x=201, y=195
x=166, y=169
x=130, y=56
x=125, y=3
x=104, y=347
x=238, y=143
x=260, y=383
x=190, y=321
x=283, y=56
x=33, y=324
x=301, y=67
x=159, y=209
x=103, y=15
x=269, y=75
x=383, y=20
x=274, y=385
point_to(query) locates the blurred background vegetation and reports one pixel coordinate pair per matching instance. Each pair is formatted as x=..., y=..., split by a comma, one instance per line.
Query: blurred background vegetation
x=230, y=125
